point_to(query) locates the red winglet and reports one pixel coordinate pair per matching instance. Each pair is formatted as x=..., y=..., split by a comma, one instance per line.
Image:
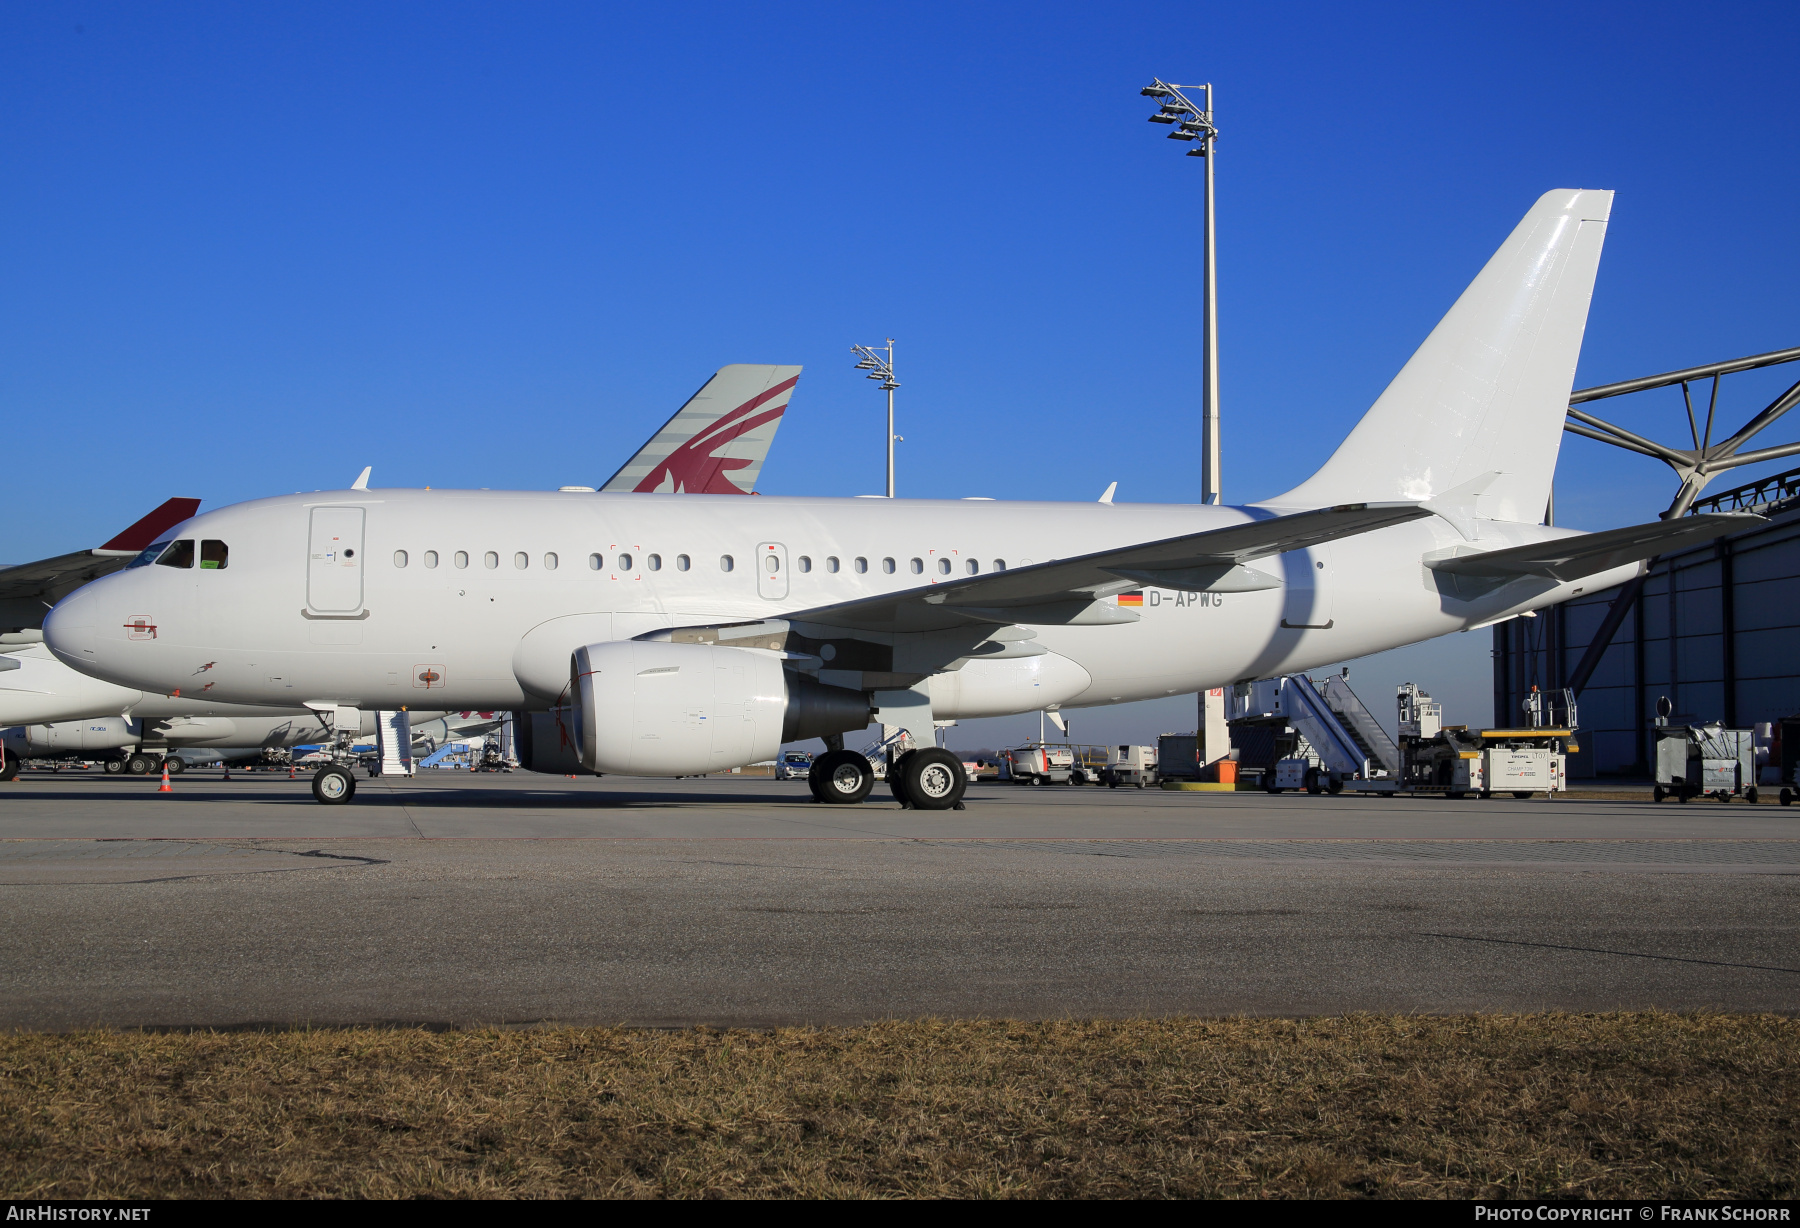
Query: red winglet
x=145, y=531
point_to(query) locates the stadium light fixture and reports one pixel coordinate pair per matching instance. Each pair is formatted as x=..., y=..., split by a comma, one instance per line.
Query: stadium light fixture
x=1195, y=124
x=881, y=367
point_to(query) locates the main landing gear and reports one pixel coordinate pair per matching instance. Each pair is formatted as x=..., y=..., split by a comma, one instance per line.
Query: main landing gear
x=928, y=779
x=841, y=778
x=924, y=779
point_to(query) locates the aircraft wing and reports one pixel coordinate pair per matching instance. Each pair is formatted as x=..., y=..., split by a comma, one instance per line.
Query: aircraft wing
x=28, y=590
x=717, y=442
x=1571, y=558
x=1069, y=591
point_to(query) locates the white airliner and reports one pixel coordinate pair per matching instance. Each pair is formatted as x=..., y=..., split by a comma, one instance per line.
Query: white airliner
x=687, y=635
x=716, y=442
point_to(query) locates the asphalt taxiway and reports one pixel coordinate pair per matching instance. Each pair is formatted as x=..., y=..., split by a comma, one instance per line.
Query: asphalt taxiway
x=512, y=899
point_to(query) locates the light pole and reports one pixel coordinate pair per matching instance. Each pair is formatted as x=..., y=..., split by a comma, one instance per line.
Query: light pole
x=1196, y=124
x=882, y=369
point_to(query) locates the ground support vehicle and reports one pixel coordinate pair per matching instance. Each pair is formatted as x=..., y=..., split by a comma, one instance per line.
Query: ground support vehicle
x=1457, y=761
x=1132, y=767
x=1041, y=764
x=1291, y=732
x=1705, y=761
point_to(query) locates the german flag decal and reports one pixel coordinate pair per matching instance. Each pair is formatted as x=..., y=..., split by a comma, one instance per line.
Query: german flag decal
x=1132, y=598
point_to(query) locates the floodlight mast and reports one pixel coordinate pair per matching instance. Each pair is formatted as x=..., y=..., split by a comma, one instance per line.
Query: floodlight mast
x=1196, y=124
x=880, y=368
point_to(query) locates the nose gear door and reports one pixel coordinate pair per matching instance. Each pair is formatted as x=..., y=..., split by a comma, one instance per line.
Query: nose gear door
x=334, y=562
x=771, y=571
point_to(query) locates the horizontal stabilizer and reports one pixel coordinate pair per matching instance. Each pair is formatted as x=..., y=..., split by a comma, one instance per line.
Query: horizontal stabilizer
x=1585, y=554
x=1059, y=592
x=716, y=443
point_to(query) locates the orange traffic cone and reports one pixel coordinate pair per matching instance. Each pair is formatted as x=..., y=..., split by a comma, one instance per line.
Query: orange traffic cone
x=227, y=771
x=290, y=770
x=165, y=784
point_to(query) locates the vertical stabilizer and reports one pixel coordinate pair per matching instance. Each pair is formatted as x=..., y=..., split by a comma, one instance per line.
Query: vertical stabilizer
x=1477, y=412
x=717, y=442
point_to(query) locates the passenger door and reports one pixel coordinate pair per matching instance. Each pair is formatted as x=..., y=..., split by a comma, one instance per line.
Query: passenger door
x=334, y=562
x=771, y=570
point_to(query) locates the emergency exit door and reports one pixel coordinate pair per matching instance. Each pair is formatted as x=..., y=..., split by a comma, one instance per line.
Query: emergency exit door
x=771, y=570
x=334, y=561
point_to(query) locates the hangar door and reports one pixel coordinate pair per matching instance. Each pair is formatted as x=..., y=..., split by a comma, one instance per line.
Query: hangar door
x=334, y=561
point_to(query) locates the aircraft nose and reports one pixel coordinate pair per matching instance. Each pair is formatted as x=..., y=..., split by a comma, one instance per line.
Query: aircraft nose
x=71, y=630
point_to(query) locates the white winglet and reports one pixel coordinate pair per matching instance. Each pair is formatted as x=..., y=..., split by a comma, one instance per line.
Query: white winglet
x=1107, y=497
x=362, y=479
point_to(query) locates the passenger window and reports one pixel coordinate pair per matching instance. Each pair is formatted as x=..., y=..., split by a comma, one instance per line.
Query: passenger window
x=521, y=560
x=461, y=558
x=399, y=558
x=179, y=554
x=625, y=563
x=805, y=563
x=430, y=558
x=943, y=567
x=862, y=565
x=654, y=561
x=149, y=555
x=771, y=564
x=973, y=567
x=596, y=562
x=682, y=563
x=918, y=567
x=831, y=564
x=216, y=555
x=490, y=560
x=726, y=563
x=887, y=565
x=999, y=564
x=550, y=562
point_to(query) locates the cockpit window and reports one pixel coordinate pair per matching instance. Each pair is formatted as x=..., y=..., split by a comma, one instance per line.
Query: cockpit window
x=149, y=554
x=180, y=554
x=214, y=555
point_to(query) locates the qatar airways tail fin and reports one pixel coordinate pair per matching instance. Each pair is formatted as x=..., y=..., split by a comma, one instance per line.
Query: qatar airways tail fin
x=717, y=442
x=1475, y=417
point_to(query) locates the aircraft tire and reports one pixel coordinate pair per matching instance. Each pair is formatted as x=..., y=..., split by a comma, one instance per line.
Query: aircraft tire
x=138, y=765
x=932, y=778
x=176, y=764
x=9, y=765
x=896, y=780
x=114, y=766
x=841, y=777
x=333, y=785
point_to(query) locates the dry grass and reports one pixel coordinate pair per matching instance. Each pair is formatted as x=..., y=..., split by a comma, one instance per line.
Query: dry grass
x=1638, y=1105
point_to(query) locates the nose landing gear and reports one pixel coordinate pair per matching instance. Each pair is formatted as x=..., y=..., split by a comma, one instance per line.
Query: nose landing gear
x=333, y=785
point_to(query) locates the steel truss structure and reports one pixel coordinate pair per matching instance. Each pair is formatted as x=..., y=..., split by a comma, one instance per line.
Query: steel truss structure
x=1695, y=466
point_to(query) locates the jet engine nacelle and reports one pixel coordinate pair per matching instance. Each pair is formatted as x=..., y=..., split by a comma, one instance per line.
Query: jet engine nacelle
x=71, y=737
x=643, y=708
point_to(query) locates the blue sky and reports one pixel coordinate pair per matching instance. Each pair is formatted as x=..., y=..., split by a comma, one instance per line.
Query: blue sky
x=248, y=249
